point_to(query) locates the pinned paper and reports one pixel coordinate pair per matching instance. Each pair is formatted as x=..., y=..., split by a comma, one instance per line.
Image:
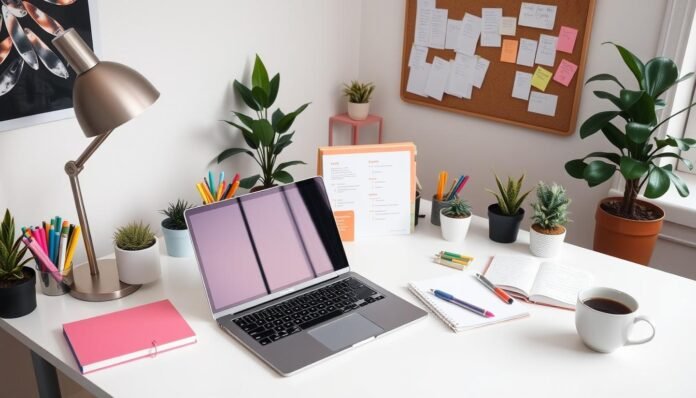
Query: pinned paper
x=566, y=39
x=541, y=103
x=422, y=35
x=541, y=78
x=454, y=26
x=541, y=16
x=437, y=79
x=509, y=51
x=522, y=85
x=527, y=52
x=480, y=70
x=438, y=28
x=508, y=26
x=565, y=72
x=417, y=56
x=417, y=79
x=461, y=73
x=490, y=26
x=469, y=34
x=426, y=3
x=546, y=52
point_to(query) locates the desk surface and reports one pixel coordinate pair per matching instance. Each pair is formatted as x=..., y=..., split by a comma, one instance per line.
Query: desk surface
x=537, y=356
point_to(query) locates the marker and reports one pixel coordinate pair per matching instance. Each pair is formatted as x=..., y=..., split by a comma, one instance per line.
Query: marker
x=63, y=245
x=453, y=259
x=451, y=299
x=461, y=186
x=211, y=183
x=233, y=190
x=448, y=263
x=41, y=257
x=227, y=191
x=498, y=291
x=220, y=188
x=455, y=191
x=71, y=249
x=455, y=255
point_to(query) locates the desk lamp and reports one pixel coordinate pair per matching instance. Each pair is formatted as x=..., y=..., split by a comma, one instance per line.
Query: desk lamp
x=105, y=96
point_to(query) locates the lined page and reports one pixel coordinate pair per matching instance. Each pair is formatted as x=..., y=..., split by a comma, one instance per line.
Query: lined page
x=560, y=283
x=514, y=273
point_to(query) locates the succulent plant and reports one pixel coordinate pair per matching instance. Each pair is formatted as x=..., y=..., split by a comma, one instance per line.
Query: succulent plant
x=551, y=210
x=11, y=251
x=510, y=197
x=134, y=236
x=358, y=93
x=458, y=208
x=175, y=215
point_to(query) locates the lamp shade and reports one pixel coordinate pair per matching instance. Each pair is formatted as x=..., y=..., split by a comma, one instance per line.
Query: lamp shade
x=105, y=94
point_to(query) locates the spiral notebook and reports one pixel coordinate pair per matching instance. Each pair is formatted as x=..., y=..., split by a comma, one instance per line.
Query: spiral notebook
x=464, y=286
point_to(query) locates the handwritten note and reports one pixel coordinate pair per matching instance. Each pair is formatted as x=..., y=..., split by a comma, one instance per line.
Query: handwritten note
x=527, y=52
x=566, y=39
x=417, y=79
x=546, y=53
x=417, y=56
x=541, y=16
x=422, y=35
x=480, y=71
x=437, y=79
x=461, y=73
x=565, y=72
x=522, y=85
x=426, y=3
x=490, y=28
x=469, y=34
x=541, y=78
x=454, y=26
x=544, y=104
x=438, y=28
x=509, y=51
x=508, y=26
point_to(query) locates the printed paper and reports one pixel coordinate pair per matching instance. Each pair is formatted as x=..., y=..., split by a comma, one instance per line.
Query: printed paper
x=417, y=56
x=461, y=74
x=509, y=51
x=490, y=26
x=426, y=4
x=508, y=26
x=438, y=28
x=469, y=34
x=565, y=72
x=480, y=70
x=566, y=39
x=541, y=16
x=454, y=26
x=437, y=79
x=541, y=78
x=546, y=53
x=417, y=79
x=422, y=35
x=522, y=85
x=541, y=103
x=527, y=52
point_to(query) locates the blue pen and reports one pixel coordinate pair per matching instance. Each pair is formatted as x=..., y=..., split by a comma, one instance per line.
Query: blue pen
x=451, y=299
x=453, y=194
x=211, y=183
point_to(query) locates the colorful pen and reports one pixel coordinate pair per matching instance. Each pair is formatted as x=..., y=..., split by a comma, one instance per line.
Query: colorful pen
x=42, y=258
x=211, y=183
x=451, y=299
x=498, y=291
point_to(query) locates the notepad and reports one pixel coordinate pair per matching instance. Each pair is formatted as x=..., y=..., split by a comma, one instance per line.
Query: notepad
x=464, y=286
x=538, y=282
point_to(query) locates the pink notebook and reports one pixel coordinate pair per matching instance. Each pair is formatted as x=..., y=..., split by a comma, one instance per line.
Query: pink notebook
x=127, y=335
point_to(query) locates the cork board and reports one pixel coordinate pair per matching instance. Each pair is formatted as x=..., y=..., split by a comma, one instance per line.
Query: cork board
x=494, y=99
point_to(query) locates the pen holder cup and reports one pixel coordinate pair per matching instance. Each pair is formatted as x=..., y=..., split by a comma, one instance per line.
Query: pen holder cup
x=50, y=285
x=438, y=205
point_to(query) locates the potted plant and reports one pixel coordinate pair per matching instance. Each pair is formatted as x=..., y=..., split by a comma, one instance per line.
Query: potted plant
x=137, y=254
x=504, y=217
x=455, y=220
x=17, y=282
x=550, y=217
x=359, y=95
x=176, y=236
x=266, y=136
x=627, y=227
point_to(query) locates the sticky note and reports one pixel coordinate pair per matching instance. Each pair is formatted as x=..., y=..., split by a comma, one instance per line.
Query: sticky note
x=508, y=26
x=541, y=78
x=544, y=104
x=522, y=85
x=527, y=52
x=565, y=72
x=546, y=52
x=509, y=51
x=566, y=39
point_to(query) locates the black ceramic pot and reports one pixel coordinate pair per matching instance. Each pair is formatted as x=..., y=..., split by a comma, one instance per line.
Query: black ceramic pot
x=503, y=228
x=20, y=299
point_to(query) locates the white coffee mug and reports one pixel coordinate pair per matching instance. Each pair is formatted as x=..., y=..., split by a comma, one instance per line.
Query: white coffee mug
x=603, y=331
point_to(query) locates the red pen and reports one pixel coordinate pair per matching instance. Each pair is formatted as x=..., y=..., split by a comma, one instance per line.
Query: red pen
x=498, y=291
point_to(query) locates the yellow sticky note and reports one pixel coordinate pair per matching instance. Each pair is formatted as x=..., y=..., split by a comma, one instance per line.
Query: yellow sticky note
x=509, y=51
x=541, y=78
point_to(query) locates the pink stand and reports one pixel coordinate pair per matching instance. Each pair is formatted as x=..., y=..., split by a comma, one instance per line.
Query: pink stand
x=355, y=126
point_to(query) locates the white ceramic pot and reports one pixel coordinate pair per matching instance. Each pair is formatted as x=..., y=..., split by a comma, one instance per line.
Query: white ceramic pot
x=177, y=242
x=454, y=229
x=358, y=111
x=138, y=267
x=546, y=246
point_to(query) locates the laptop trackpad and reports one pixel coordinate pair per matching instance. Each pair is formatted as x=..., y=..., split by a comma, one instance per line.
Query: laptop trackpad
x=345, y=332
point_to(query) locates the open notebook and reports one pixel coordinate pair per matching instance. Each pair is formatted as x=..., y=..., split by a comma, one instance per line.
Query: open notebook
x=538, y=282
x=464, y=286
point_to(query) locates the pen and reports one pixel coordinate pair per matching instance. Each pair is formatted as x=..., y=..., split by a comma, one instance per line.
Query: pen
x=211, y=183
x=46, y=263
x=451, y=299
x=71, y=249
x=63, y=245
x=498, y=291
x=455, y=189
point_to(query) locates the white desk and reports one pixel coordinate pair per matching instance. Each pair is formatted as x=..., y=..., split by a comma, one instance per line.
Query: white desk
x=539, y=356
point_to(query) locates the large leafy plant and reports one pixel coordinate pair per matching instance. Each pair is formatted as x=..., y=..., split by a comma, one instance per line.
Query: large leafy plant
x=634, y=136
x=266, y=137
x=11, y=251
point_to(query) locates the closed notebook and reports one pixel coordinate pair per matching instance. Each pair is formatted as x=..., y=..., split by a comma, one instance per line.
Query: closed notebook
x=465, y=286
x=127, y=335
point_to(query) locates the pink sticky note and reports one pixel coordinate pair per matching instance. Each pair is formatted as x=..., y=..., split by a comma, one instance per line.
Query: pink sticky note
x=565, y=72
x=566, y=39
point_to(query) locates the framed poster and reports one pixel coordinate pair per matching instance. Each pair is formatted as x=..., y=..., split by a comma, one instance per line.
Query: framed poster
x=35, y=81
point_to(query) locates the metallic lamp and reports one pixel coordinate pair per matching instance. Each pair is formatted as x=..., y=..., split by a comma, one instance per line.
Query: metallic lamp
x=105, y=96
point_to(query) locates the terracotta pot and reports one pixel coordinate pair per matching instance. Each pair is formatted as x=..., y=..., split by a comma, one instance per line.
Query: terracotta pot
x=632, y=240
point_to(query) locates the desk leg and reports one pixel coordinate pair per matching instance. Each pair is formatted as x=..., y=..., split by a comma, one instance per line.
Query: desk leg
x=46, y=377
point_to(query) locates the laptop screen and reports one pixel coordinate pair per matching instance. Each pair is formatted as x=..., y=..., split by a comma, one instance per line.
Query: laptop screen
x=262, y=243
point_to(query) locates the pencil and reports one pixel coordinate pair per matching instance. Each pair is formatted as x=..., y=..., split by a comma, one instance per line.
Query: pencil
x=220, y=188
x=227, y=191
x=203, y=193
x=233, y=190
x=71, y=249
x=440, y=186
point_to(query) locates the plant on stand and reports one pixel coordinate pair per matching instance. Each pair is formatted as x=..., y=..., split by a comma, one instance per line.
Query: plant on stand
x=550, y=217
x=626, y=226
x=505, y=216
x=137, y=254
x=176, y=235
x=17, y=281
x=267, y=137
x=455, y=220
x=359, y=95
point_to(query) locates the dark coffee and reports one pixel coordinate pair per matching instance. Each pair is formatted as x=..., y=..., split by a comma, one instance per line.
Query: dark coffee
x=607, y=305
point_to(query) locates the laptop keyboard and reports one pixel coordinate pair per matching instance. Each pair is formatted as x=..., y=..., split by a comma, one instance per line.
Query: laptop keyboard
x=302, y=312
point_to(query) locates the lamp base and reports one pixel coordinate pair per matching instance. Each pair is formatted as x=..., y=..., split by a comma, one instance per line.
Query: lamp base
x=104, y=287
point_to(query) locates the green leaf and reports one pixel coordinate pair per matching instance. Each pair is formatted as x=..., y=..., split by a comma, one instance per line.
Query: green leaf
x=576, y=168
x=231, y=152
x=251, y=139
x=246, y=95
x=286, y=122
x=595, y=122
x=634, y=64
x=658, y=182
x=283, y=176
x=612, y=157
x=638, y=133
x=633, y=169
x=288, y=164
x=643, y=110
x=660, y=74
x=611, y=97
x=264, y=131
x=678, y=183
x=686, y=162
x=598, y=172
x=244, y=118
x=282, y=143
x=273, y=91
x=260, y=96
x=605, y=76
x=249, y=182
x=276, y=117
x=629, y=98
x=259, y=76
x=686, y=76
x=614, y=135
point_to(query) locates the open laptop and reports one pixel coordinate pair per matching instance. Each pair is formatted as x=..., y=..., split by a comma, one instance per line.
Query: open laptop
x=278, y=280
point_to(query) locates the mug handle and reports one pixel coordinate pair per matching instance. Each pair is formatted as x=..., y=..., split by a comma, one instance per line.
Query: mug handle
x=637, y=319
